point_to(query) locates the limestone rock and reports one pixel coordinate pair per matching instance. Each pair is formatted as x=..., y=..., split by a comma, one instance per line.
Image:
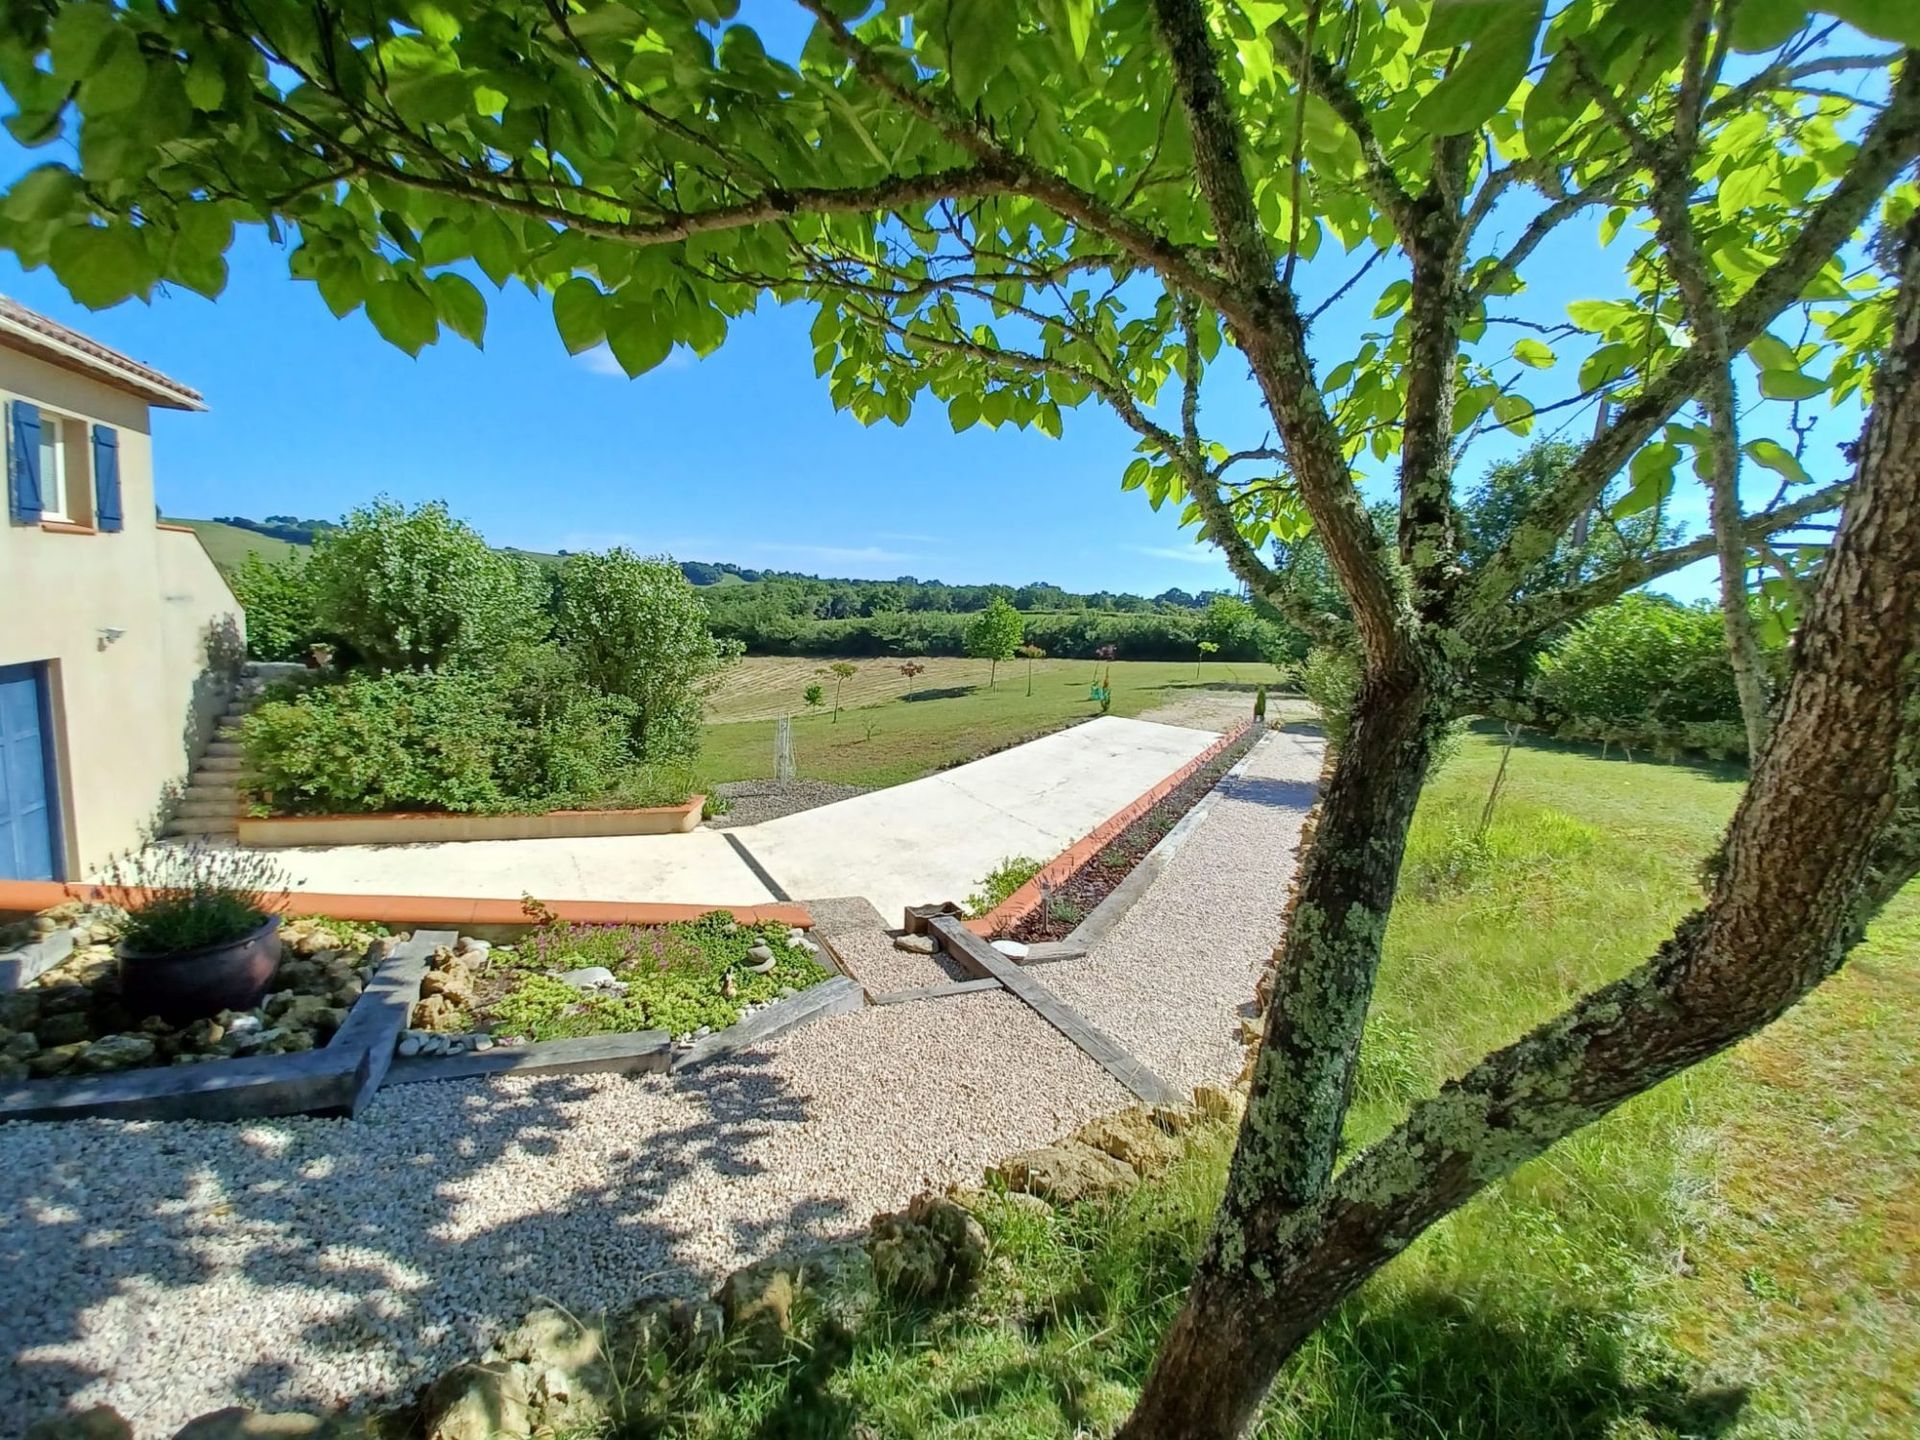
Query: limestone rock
x=1174, y=1119
x=65, y=999
x=593, y=977
x=1217, y=1104
x=1067, y=1172
x=55, y=1059
x=115, y=1052
x=434, y=1013
x=63, y=1029
x=480, y=1402
x=237, y=1422
x=1132, y=1137
x=1012, y=949
x=102, y=1422
x=551, y=1339
x=757, y=1306
x=455, y=986
x=760, y=953
x=20, y=1047
x=20, y=1009
x=933, y=1250
x=916, y=944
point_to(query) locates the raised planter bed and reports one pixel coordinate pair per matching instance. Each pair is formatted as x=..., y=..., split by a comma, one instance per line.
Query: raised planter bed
x=417, y=827
x=1005, y=917
x=1076, y=907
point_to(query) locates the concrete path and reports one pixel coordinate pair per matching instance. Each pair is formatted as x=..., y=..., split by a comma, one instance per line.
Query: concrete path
x=700, y=868
x=930, y=839
x=934, y=839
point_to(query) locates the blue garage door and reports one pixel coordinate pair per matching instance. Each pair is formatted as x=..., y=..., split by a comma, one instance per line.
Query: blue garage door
x=27, y=812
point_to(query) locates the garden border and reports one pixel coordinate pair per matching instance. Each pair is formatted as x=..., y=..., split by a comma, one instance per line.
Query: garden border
x=30, y=897
x=406, y=827
x=1017, y=906
x=337, y=1079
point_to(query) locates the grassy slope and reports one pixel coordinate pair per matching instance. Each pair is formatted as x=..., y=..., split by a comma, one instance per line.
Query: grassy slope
x=953, y=715
x=1732, y=1255
x=228, y=545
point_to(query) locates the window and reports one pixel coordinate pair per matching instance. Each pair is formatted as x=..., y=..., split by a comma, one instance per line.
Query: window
x=53, y=467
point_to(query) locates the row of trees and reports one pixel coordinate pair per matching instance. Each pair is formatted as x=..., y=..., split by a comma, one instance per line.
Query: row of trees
x=1011, y=211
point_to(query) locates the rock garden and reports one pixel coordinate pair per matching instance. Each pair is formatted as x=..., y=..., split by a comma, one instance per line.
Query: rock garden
x=74, y=1018
x=565, y=981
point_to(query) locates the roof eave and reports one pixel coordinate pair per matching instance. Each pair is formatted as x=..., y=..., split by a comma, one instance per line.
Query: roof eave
x=158, y=392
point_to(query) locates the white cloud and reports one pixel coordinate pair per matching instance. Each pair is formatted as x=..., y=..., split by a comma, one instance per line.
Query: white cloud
x=1185, y=554
x=601, y=362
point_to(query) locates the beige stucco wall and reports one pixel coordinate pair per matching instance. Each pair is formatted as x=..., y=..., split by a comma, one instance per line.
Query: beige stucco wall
x=127, y=713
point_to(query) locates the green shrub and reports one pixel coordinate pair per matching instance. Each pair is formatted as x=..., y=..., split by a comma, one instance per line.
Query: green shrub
x=186, y=897
x=637, y=629
x=1642, y=660
x=1331, y=680
x=279, y=602
x=419, y=590
x=527, y=734
x=1001, y=881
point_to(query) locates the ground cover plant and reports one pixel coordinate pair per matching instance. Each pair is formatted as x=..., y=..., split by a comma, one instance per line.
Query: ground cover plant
x=681, y=977
x=1729, y=1256
x=1069, y=901
x=1147, y=188
x=1001, y=881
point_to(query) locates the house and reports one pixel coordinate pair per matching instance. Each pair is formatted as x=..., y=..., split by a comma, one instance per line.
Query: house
x=119, y=640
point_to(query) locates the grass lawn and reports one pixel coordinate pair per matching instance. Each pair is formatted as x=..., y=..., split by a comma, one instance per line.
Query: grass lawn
x=1736, y=1254
x=950, y=714
x=228, y=545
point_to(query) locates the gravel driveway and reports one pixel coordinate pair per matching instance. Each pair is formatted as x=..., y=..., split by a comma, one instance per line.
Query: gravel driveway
x=169, y=1269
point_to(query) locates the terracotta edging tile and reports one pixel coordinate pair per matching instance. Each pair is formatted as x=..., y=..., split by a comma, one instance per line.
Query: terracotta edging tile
x=1017, y=906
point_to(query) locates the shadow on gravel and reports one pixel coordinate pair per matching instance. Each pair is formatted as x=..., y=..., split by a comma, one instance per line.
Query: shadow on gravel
x=363, y=1218
x=1276, y=794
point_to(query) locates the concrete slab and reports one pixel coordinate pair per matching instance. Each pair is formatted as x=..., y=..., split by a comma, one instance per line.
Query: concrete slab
x=933, y=839
x=700, y=868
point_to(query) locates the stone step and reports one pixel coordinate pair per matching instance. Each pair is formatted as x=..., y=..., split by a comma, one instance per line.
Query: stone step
x=219, y=765
x=203, y=825
x=218, y=747
x=204, y=809
x=198, y=789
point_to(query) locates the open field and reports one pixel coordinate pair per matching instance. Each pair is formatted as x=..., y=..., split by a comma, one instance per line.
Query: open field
x=950, y=714
x=1736, y=1254
x=229, y=545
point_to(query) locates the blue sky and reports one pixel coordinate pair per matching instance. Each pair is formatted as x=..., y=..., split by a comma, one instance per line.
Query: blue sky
x=738, y=457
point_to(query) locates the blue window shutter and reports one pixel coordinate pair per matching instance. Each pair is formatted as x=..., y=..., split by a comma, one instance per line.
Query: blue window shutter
x=106, y=478
x=23, y=468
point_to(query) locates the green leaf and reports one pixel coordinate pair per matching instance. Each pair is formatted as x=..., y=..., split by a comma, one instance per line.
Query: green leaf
x=1772, y=353
x=1650, y=479
x=343, y=284
x=1777, y=458
x=637, y=338
x=579, y=313
x=462, y=308
x=1514, y=412
x=1393, y=298
x=1790, y=385
x=403, y=314
x=1079, y=25
x=1533, y=353
x=118, y=78
x=1763, y=24
x=980, y=35
x=963, y=411
x=76, y=37
x=206, y=86
x=102, y=265
x=1896, y=20
x=1500, y=39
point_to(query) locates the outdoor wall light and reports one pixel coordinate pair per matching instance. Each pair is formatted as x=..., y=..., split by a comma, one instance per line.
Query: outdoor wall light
x=109, y=634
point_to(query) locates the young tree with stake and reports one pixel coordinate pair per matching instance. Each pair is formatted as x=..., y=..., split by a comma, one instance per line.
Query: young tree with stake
x=1014, y=210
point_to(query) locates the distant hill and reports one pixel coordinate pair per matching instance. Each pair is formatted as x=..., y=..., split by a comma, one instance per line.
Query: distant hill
x=230, y=538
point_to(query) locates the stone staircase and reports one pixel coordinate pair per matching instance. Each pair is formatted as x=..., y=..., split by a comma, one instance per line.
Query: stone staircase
x=210, y=805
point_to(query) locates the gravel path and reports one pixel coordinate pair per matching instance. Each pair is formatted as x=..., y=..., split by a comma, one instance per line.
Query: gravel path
x=752, y=801
x=1172, y=977
x=170, y=1269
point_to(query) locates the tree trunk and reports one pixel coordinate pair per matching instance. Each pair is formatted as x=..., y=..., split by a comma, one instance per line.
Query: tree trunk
x=1205, y=1383
x=1829, y=828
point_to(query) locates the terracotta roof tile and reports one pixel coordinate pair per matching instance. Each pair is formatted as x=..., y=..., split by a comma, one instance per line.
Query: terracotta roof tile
x=100, y=360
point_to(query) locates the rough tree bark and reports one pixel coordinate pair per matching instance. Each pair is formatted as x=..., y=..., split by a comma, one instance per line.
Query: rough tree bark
x=1828, y=830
